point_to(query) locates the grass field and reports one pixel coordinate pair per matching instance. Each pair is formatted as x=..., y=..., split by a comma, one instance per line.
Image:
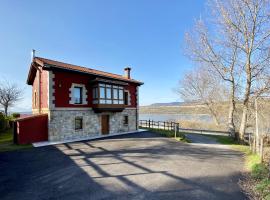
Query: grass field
x=6, y=142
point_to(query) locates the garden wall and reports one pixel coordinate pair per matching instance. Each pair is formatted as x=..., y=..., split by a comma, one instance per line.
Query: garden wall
x=31, y=129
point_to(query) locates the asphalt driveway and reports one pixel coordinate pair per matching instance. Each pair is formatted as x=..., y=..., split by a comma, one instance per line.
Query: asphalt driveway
x=134, y=166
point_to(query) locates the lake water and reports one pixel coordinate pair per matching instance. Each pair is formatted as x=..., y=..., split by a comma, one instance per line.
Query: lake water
x=176, y=117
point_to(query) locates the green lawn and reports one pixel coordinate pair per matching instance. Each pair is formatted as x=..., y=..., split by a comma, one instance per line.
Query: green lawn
x=6, y=142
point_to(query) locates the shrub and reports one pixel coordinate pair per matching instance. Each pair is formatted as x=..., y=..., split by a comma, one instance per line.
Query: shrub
x=16, y=115
x=259, y=171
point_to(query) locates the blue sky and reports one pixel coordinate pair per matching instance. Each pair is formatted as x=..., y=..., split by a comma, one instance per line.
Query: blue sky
x=103, y=34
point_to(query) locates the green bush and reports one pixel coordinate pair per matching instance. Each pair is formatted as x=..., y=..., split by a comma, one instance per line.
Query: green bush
x=16, y=115
x=259, y=171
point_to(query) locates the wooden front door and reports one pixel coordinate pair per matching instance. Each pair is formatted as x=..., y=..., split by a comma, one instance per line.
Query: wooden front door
x=105, y=126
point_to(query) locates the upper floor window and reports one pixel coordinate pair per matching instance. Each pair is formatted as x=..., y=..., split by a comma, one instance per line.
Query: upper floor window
x=77, y=95
x=108, y=94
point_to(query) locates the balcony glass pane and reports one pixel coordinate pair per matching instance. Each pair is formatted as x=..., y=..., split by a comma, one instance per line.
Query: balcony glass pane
x=121, y=102
x=108, y=101
x=102, y=101
x=108, y=93
x=115, y=94
x=102, y=92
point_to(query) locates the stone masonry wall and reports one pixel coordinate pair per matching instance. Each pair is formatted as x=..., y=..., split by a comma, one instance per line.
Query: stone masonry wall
x=117, y=121
x=62, y=123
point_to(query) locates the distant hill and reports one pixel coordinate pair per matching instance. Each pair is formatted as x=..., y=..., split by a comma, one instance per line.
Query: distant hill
x=167, y=104
x=174, y=108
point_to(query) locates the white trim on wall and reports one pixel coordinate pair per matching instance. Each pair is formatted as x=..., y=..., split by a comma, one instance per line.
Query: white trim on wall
x=84, y=94
x=129, y=97
x=51, y=90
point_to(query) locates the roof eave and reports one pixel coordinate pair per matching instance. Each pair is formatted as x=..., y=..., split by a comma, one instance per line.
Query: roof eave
x=55, y=66
x=29, y=81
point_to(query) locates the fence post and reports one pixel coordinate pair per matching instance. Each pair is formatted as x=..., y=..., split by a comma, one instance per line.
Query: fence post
x=149, y=123
x=249, y=142
x=261, y=149
x=178, y=131
x=175, y=130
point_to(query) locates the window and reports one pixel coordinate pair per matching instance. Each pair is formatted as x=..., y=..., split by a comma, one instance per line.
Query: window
x=108, y=94
x=126, y=98
x=78, y=123
x=77, y=95
x=125, y=120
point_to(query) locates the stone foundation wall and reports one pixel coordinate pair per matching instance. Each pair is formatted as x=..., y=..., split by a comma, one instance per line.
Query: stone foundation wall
x=62, y=123
x=117, y=121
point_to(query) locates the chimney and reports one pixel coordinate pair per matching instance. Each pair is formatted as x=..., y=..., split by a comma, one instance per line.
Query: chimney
x=127, y=72
x=33, y=54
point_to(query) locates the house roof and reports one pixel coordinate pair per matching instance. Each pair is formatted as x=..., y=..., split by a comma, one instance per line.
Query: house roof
x=47, y=63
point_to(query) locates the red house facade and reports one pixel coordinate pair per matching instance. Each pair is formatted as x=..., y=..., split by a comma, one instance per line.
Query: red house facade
x=82, y=102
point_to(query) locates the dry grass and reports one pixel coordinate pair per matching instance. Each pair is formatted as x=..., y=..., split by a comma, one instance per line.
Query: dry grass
x=193, y=124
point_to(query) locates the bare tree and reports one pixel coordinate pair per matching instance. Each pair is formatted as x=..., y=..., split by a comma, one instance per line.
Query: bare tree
x=200, y=85
x=219, y=51
x=237, y=37
x=249, y=20
x=9, y=95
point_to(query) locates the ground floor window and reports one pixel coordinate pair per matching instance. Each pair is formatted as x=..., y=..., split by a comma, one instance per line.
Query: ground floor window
x=78, y=123
x=125, y=120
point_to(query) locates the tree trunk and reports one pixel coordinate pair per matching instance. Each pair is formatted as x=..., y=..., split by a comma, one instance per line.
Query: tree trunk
x=231, y=126
x=6, y=109
x=243, y=125
x=245, y=104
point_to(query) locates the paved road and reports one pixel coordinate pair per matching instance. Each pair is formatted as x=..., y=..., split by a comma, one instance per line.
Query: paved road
x=201, y=139
x=135, y=166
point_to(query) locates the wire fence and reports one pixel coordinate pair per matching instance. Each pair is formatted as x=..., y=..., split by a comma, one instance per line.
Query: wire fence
x=260, y=116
